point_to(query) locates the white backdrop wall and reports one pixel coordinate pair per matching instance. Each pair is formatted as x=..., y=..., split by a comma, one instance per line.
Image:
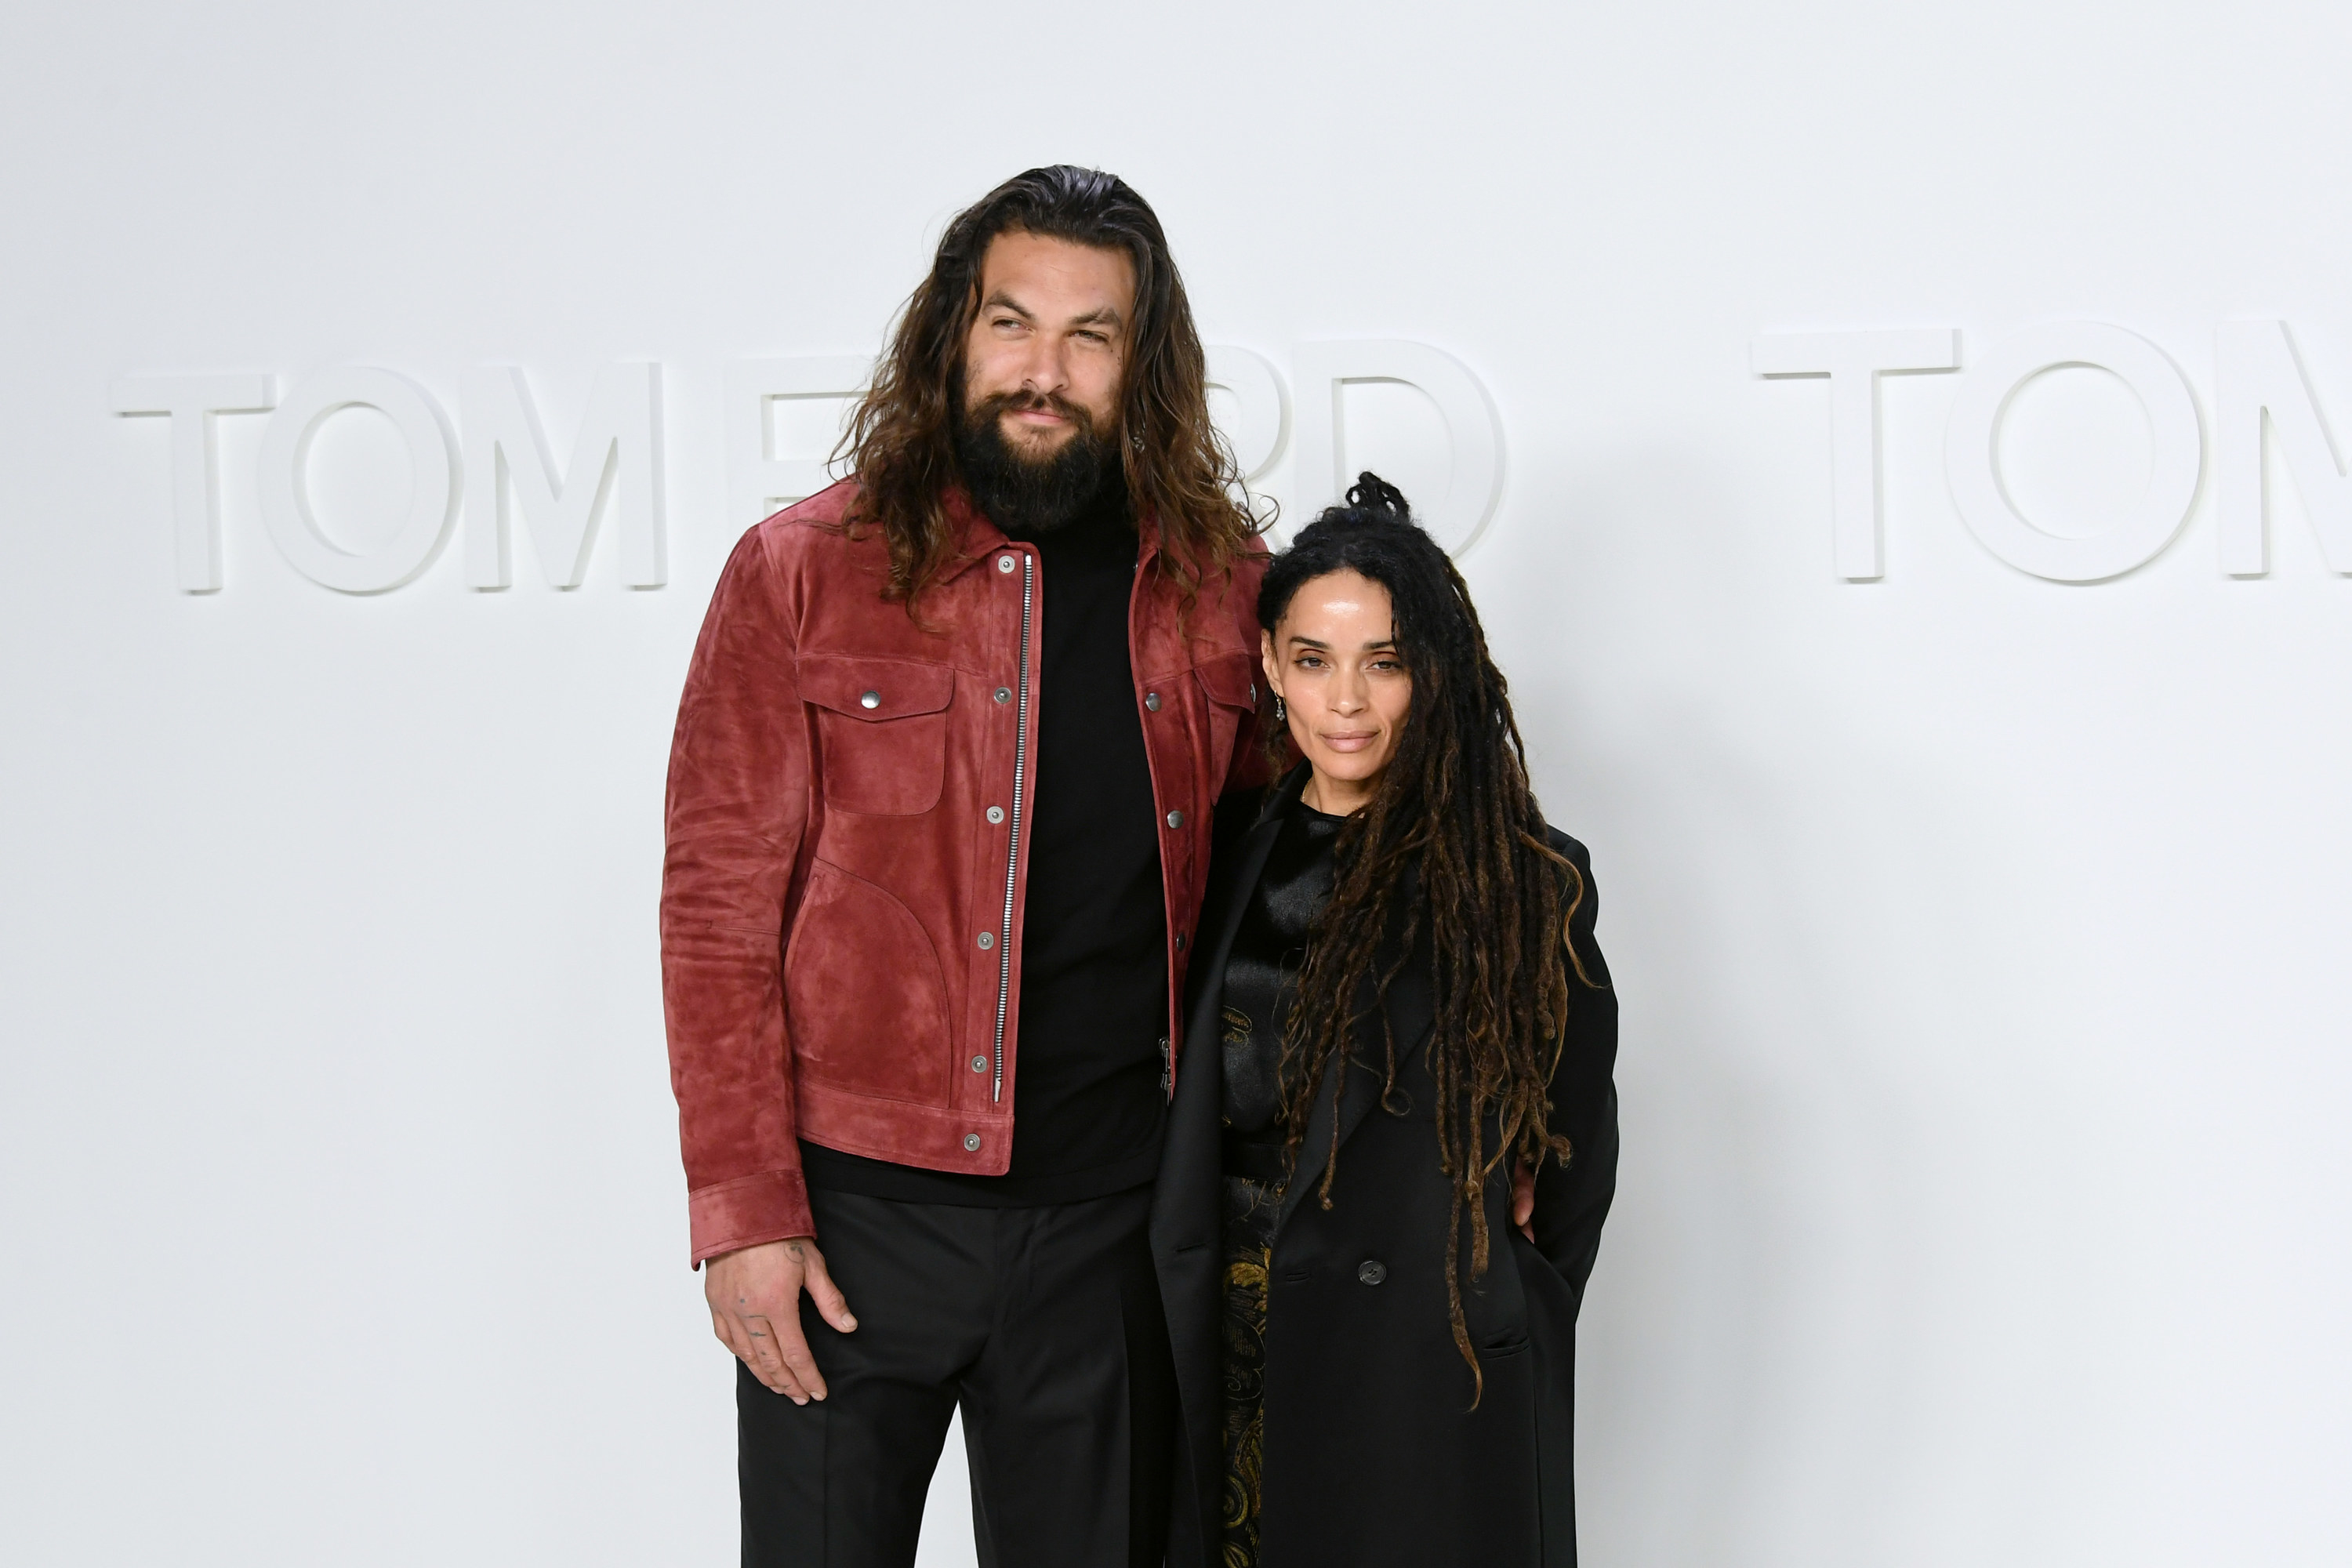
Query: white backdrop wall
x=1980, y=937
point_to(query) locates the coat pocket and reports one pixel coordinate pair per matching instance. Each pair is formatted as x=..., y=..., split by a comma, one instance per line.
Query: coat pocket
x=881, y=730
x=863, y=993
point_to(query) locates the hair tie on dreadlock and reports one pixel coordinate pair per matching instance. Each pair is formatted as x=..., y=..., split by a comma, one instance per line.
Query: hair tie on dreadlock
x=1374, y=494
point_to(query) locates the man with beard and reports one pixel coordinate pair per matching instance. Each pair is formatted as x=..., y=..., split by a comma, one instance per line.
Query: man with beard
x=939, y=814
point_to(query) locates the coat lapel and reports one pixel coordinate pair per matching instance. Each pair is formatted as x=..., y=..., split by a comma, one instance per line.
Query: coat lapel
x=1228, y=896
x=1412, y=1010
x=1186, y=1209
x=1232, y=881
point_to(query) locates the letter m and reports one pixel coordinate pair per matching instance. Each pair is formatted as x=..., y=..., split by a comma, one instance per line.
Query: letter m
x=615, y=466
x=2261, y=383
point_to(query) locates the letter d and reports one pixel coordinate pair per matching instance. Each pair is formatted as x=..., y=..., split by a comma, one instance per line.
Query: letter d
x=1471, y=426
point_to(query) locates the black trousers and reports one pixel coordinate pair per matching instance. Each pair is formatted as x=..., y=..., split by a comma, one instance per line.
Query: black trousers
x=1044, y=1324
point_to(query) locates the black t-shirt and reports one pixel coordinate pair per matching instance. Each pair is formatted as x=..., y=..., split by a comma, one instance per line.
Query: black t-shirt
x=1089, y=1105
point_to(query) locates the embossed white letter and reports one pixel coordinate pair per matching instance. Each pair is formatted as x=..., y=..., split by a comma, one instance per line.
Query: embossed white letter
x=618, y=450
x=1853, y=362
x=756, y=479
x=285, y=500
x=1474, y=429
x=191, y=400
x=1256, y=390
x=1972, y=460
x=2261, y=375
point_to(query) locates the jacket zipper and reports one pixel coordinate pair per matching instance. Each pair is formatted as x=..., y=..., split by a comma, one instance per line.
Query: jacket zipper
x=1012, y=853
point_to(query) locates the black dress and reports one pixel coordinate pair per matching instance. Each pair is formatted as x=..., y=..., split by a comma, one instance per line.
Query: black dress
x=1260, y=982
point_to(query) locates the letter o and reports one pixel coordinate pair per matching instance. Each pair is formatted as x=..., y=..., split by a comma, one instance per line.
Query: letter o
x=284, y=491
x=1972, y=456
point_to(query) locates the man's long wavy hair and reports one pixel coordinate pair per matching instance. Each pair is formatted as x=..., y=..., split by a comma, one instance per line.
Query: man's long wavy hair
x=1450, y=860
x=901, y=440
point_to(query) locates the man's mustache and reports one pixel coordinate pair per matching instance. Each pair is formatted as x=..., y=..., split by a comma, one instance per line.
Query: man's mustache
x=997, y=404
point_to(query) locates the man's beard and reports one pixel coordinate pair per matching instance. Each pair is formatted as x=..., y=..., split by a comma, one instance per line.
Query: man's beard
x=1031, y=496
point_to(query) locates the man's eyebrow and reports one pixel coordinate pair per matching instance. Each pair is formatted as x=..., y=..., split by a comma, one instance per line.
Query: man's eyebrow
x=1000, y=301
x=1103, y=315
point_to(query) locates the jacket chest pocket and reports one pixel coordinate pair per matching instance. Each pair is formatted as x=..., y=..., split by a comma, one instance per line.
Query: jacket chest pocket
x=881, y=730
x=1230, y=683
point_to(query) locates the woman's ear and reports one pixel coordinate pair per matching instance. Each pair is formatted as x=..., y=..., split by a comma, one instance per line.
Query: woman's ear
x=1265, y=657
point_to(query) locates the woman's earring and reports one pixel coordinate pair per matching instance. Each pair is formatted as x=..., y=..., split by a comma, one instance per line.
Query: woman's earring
x=1279, y=716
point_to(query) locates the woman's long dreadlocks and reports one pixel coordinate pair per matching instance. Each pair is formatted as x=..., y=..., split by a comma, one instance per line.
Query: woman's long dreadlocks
x=1454, y=820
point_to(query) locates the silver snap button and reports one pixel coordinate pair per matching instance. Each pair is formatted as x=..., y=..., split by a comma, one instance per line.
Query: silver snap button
x=1004, y=563
x=1252, y=693
x=979, y=1064
x=972, y=1140
x=995, y=814
x=1005, y=694
x=1175, y=819
x=1371, y=1271
x=871, y=699
x=1180, y=941
x=987, y=941
x=1152, y=700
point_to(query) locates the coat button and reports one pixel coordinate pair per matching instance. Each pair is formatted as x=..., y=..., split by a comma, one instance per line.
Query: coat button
x=1371, y=1271
x=1175, y=819
x=1152, y=700
x=987, y=941
x=979, y=1064
x=871, y=699
x=995, y=814
x=1005, y=694
x=972, y=1140
x=1004, y=563
x=1180, y=941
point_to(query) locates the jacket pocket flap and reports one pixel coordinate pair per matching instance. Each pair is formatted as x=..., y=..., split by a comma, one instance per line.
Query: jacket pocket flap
x=1231, y=682
x=874, y=688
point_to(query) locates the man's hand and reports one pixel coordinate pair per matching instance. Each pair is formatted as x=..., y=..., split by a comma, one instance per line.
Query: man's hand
x=1523, y=1199
x=755, y=1309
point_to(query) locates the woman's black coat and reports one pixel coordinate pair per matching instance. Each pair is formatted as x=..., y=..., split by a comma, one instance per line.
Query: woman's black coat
x=1373, y=1455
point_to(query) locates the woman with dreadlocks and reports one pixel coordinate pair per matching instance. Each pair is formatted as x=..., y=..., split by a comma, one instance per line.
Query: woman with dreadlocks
x=1395, y=1132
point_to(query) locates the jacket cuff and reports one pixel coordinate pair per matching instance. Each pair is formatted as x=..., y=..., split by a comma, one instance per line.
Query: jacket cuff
x=726, y=1216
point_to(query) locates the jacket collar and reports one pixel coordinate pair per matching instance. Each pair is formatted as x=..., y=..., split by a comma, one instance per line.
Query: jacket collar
x=977, y=538
x=1233, y=877
x=1280, y=799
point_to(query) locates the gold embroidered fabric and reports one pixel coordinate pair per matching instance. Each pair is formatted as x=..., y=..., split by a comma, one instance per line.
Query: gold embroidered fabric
x=1251, y=1208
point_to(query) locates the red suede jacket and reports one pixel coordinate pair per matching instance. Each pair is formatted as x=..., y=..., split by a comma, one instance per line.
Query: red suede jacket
x=849, y=791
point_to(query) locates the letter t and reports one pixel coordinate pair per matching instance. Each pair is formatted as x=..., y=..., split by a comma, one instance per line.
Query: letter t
x=191, y=400
x=1853, y=362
